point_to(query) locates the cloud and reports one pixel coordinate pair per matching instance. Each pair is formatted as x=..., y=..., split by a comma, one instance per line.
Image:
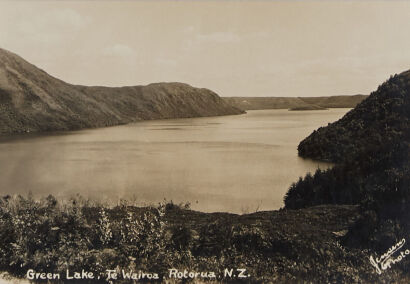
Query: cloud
x=166, y=62
x=68, y=18
x=53, y=24
x=220, y=37
x=56, y=19
x=188, y=29
x=119, y=50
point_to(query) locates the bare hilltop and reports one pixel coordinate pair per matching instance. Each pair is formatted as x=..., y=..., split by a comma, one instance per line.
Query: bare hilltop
x=31, y=101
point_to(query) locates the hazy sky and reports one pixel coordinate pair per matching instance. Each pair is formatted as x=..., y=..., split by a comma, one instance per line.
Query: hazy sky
x=236, y=48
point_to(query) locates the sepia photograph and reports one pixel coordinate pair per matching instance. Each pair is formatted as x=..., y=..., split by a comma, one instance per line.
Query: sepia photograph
x=204, y=141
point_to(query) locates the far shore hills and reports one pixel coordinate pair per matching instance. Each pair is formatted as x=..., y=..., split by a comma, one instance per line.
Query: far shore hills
x=295, y=103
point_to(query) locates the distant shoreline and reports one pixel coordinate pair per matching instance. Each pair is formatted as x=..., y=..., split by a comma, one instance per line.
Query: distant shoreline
x=297, y=103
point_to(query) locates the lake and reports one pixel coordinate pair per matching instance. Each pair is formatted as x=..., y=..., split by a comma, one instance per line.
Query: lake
x=237, y=163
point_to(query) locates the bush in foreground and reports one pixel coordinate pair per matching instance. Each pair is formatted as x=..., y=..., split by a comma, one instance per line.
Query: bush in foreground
x=279, y=246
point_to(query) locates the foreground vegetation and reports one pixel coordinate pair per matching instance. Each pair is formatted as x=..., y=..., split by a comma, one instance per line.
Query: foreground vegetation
x=282, y=246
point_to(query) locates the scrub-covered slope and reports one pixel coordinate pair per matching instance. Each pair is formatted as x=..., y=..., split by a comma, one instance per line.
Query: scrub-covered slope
x=381, y=118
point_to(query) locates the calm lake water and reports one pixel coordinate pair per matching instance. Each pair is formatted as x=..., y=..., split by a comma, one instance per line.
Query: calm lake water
x=231, y=163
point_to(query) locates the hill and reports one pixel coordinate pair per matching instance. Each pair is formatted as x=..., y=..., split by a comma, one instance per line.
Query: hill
x=32, y=100
x=371, y=146
x=254, y=103
x=381, y=118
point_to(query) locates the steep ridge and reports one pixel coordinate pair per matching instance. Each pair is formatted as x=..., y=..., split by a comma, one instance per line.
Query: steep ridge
x=31, y=100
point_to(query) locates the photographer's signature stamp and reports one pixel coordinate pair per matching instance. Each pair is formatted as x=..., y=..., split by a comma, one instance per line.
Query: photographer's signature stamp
x=394, y=255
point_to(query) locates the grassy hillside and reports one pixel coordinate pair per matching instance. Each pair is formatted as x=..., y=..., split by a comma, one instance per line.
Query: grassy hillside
x=31, y=100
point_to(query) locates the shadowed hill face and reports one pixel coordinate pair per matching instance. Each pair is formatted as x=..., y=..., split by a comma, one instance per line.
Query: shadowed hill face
x=371, y=145
x=382, y=117
x=32, y=100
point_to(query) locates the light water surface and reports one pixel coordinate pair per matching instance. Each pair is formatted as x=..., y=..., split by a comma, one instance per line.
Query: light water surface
x=237, y=163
